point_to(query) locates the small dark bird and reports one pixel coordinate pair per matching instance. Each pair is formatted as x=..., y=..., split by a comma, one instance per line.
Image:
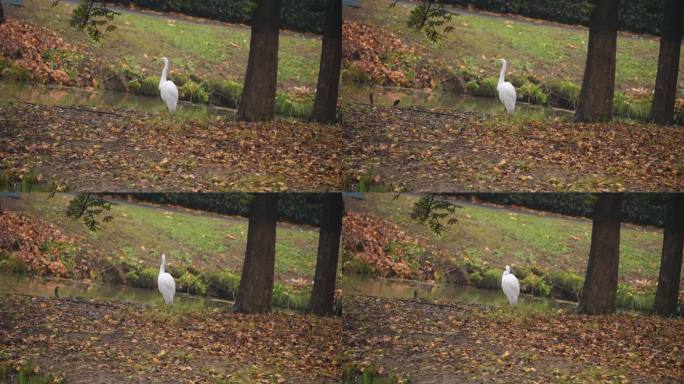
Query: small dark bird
x=396, y=102
x=370, y=97
x=415, y=294
x=57, y=292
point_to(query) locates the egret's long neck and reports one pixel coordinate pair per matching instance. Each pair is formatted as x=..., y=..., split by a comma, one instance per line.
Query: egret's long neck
x=162, y=267
x=501, y=75
x=164, y=73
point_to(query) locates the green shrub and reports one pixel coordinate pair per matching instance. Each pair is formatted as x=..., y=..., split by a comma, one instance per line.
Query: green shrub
x=194, y=92
x=624, y=106
x=354, y=74
x=486, y=87
x=224, y=92
x=286, y=298
x=146, y=86
x=222, y=284
x=535, y=285
x=491, y=279
x=146, y=278
x=12, y=264
x=532, y=93
x=192, y=284
x=630, y=299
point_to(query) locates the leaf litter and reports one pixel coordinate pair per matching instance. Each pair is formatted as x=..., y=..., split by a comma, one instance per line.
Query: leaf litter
x=427, y=342
x=447, y=151
x=96, y=341
x=82, y=150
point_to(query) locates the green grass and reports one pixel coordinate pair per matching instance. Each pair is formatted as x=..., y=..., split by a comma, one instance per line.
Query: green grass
x=212, y=51
x=553, y=245
x=139, y=234
x=546, y=51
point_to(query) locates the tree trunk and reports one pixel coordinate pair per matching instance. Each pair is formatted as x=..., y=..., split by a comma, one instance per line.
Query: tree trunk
x=2, y=14
x=600, y=283
x=325, y=105
x=256, y=284
x=258, y=97
x=667, y=293
x=323, y=293
x=662, y=108
x=598, y=85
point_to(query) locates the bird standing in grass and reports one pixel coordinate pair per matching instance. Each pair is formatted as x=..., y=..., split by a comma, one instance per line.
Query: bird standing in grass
x=510, y=286
x=166, y=283
x=167, y=89
x=506, y=90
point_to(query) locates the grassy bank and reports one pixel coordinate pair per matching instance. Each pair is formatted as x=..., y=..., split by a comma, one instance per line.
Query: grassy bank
x=208, y=59
x=546, y=60
x=205, y=251
x=547, y=252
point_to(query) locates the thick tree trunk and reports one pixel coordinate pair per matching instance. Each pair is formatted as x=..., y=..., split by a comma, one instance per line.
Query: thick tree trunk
x=662, y=108
x=258, y=97
x=256, y=284
x=2, y=14
x=600, y=282
x=323, y=294
x=598, y=85
x=325, y=105
x=667, y=293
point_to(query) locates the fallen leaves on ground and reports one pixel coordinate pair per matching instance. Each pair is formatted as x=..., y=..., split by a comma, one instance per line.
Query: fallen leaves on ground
x=380, y=54
x=473, y=343
x=43, y=53
x=28, y=239
x=132, y=151
x=382, y=244
x=95, y=342
x=447, y=151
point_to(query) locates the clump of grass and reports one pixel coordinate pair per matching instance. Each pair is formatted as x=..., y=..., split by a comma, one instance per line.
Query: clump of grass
x=631, y=299
x=624, y=106
x=563, y=93
x=194, y=92
x=12, y=264
x=354, y=265
x=192, y=284
x=286, y=298
x=489, y=279
x=26, y=374
x=353, y=374
x=146, y=278
x=222, y=284
x=535, y=285
x=13, y=72
x=353, y=74
x=567, y=284
x=286, y=105
x=533, y=93
x=485, y=87
x=146, y=86
x=224, y=92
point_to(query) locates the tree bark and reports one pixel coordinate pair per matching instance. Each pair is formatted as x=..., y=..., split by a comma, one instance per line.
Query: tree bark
x=323, y=293
x=325, y=105
x=256, y=284
x=662, y=107
x=667, y=293
x=598, y=84
x=600, y=283
x=2, y=14
x=258, y=97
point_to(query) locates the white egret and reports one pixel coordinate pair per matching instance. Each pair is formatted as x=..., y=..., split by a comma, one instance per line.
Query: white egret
x=506, y=90
x=165, y=282
x=167, y=89
x=510, y=286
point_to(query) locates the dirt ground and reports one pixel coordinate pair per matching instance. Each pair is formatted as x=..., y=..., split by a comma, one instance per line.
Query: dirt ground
x=130, y=151
x=447, y=151
x=452, y=343
x=103, y=342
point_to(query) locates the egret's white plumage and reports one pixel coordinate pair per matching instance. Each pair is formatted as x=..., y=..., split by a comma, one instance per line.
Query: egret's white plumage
x=506, y=90
x=510, y=286
x=167, y=89
x=165, y=282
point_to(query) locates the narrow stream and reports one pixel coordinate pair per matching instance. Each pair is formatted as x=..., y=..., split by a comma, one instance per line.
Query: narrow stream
x=404, y=289
x=34, y=286
x=69, y=96
x=407, y=97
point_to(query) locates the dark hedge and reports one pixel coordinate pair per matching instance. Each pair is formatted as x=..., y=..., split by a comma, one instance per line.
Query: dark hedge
x=300, y=15
x=643, y=16
x=637, y=208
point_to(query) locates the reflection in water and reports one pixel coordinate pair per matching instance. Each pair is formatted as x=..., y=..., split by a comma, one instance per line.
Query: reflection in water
x=404, y=289
x=441, y=100
x=101, y=291
x=66, y=96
